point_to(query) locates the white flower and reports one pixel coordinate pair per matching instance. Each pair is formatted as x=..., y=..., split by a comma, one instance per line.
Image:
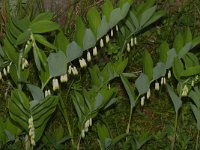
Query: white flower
x=70, y=69
x=135, y=41
x=33, y=141
x=4, y=72
x=90, y=121
x=64, y=78
x=196, y=78
x=25, y=63
x=47, y=92
x=30, y=120
x=142, y=100
x=157, y=86
x=101, y=43
x=107, y=38
x=149, y=93
x=8, y=69
x=74, y=71
x=117, y=29
x=95, y=51
x=86, y=129
x=128, y=47
x=87, y=123
x=132, y=42
x=31, y=130
x=55, y=84
x=169, y=74
x=1, y=76
x=192, y=83
x=82, y=63
x=185, y=91
x=111, y=33
x=83, y=133
x=89, y=58
x=162, y=81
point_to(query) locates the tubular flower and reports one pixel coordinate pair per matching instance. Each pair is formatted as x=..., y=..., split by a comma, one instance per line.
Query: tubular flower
x=70, y=69
x=83, y=133
x=74, y=71
x=82, y=63
x=107, y=38
x=55, y=84
x=149, y=93
x=90, y=121
x=185, y=91
x=169, y=74
x=1, y=76
x=135, y=40
x=64, y=78
x=132, y=43
x=192, y=83
x=89, y=58
x=95, y=51
x=117, y=29
x=128, y=47
x=47, y=92
x=101, y=43
x=31, y=130
x=4, y=72
x=157, y=86
x=142, y=100
x=8, y=69
x=111, y=32
x=162, y=81
x=25, y=63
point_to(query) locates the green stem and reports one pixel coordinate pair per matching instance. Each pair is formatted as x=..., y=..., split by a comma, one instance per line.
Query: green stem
x=197, y=141
x=129, y=120
x=175, y=126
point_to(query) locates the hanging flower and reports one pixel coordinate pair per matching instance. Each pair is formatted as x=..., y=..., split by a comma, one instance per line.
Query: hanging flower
x=83, y=133
x=101, y=43
x=149, y=93
x=117, y=29
x=90, y=121
x=162, y=81
x=55, y=84
x=70, y=69
x=142, y=100
x=132, y=43
x=185, y=91
x=89, y=58
x=82, y=63
x=64, y=78
x=8, y=69
x=1, y=76
x=111, y=32
x=31, y=130
x=135, y=41
x=169, y=74
x=47, y=92
x=128, y=47
x=95, y=51
x=4, y=72
x=192, y=83
x=157, y=86
x=25, y=63
x=74, y=71
x=107, y=38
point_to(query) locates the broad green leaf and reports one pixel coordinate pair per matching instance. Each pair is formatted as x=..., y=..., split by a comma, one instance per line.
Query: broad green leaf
x=43, y=16
x=36, y=92
x=178, y=42
x=36, y=59
x=135, y=20
x=43, y=26
x=177, y=68
x=190, y=60
x=107, y=7
x=57, y=64
x=61, y=41
x=80, y=32
x=89, y=39
x=129, y=89
x=94, y=19
x=147, y=14
x=185, y=50
x=130, y=26
x=188, y=36
x=195, y=96
x=175, y=99
x=171, y=54
x=190, y=71
x=118, y=139
x=103, y=28
x=196, y=41
x=21, y=24
x=122, y=2
x=13, y=74
x=23, y=37
x=94, y=73
x=148, y=65
x=73, y=51
x=196, y=112
x=142, y=84
x=115, y=17
x=42, y=40
x=125, y=9
x=159, y=71
x=120, y=66
x=14, y=30
x=12, y=127
x=103, y=132
x=163, y=50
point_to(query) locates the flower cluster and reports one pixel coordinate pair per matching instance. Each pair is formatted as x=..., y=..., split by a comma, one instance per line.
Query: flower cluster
x=131, y=44
x=88, y=124
x=31, y=130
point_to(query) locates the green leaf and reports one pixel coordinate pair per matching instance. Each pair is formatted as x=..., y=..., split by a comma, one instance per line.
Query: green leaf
x=190, y=60
x=125, y=9
x=61, y=41
x=159, y=71
x=175, y=99
x=122, y=2
x=163, y=50
x=148, y=65
x=190, y=71
x=89, y=39
x=178, y=42
x=146, y=15
x=196, y=112
x=73, y=51
x=43, y=16
x=115, y=17
x=107, y=7
x=23, y=37
x=94, y=19
x=134, y=20
x=142, y=84
x=129, y=89
x=43, y=26
x=195, y=96
x=57, y=64
x=185, y=50
x=36, y=92
x=94, y=73
x=120, y=66
x=188, y=36
x=103, y=132
x=196, y=41
x=171, y=54
x=42, y=40
x=80, y=32
x=103, y=28
x=177, y=68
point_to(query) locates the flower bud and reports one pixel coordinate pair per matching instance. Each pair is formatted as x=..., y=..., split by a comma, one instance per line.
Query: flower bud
x=89, y=58
x=32, y=141
x=30, y=120
x=157, y=86
x=192, y=83
x=101, y=43
x=107, y=38
x=70, y=69
x=4, y=72
x=132, y=43
x=8, y=69
x=162, y=81
x=117, y=29
x=196, y=78
x=169, y=74
x=87, y=123
x=83, y=133
x=135, y=41
x=90, y=121
x=111, y=33
x=55, y=84
x=149, y=93
x=86, y=129
x=95, y=51
x=128, y=47
x=142, y=100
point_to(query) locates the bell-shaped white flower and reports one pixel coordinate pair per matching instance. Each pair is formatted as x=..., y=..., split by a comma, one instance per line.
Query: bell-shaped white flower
x=157, y=87
x=95, y=51
x=1, y=76
x=86, y=130
x=107, y=38
x=192, y=83
x=90, y=121
x=8, y=69
x=142, y=100
x=4, y=72
x=83, y=133
x=132, y=42
x=89, y=58
x=116, y=27
x=111, y=33
x=55, y=84
x=101, y=43
x=128, y=47
x=64, y=78
x=148, y=93
x=30, y=120
x=74, y=71
x=70, y=69
x=33, y=141
x=162, y=81
x=169, y=74
x=87, y=123
x=196, y=78
x=185, y=91
x=82, y=63
x=135, y=40
x=25, y=63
